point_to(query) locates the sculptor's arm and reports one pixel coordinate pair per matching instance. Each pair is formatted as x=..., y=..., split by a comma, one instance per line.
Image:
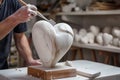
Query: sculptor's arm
x=20, y=16
x=7, y=25
x=24, y=49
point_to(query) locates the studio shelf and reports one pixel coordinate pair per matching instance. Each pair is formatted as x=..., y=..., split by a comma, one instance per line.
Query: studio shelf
x=98, y=47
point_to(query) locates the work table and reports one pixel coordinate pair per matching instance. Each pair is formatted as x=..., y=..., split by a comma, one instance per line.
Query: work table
x=107, y=72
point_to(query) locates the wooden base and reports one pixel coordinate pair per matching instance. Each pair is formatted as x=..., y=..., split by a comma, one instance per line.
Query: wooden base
x=60, y=71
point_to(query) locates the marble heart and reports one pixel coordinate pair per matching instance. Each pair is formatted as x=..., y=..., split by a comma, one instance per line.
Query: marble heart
x=51, y=42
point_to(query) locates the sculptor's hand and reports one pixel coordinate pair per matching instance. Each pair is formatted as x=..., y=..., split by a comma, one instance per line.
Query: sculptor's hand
x=34, y=62
x=25, y=13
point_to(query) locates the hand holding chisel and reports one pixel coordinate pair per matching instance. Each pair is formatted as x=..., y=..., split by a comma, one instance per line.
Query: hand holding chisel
x=39, y=14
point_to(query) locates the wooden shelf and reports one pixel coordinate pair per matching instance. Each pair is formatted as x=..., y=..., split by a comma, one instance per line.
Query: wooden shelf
x=82, y=13
x=98, y=47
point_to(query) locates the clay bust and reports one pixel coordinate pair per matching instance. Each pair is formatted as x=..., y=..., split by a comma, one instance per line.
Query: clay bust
x=51, y=42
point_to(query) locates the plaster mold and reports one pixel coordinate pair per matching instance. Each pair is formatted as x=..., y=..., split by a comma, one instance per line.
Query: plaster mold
x=107, y=39
x=84, y=40
x=99, y=38
x=91, y=37
x=94, y=29
x=116, y=32
x=51, y=42
x=82, y=32
x=78, y=38
x=115, y=42
x=107, y=29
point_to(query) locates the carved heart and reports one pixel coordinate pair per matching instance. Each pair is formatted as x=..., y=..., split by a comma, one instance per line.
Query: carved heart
x=51, y=43
x=116, y=32
x=94, y=29
x=99, y=38
x=107, y=38
x=115, y=41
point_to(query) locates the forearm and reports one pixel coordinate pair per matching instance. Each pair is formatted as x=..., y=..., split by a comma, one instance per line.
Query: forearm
x=23, y=48
x=7, y=25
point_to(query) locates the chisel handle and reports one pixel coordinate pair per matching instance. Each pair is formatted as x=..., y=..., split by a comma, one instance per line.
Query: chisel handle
x=22, y=2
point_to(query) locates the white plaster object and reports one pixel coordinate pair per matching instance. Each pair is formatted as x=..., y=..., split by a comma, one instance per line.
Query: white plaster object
x=94, y=29
x=91, y=37
x=84, y=40
x=77, y=9
x=115, y=42
x=85, y=37
x=77, y=38
x=81, y=36
x=51, y=42
x=82, y=32
x=107, y=39
x=99, y=38
x=68, y=8
x=116, y=32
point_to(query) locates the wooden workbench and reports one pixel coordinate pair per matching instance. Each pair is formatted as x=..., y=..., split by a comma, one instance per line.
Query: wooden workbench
x=107, y=72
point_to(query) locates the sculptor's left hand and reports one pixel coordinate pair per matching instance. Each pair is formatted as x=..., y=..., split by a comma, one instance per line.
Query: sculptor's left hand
x=34, y=62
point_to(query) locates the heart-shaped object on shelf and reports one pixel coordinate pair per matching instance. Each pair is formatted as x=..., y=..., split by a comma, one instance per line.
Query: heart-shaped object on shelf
x=84, y=40
x=107, y=38
x=116, y=32
x=51, y=42
x=99, y=38
x=91, y=37
x=82, y=32
x=115, y=42
x=94, y=29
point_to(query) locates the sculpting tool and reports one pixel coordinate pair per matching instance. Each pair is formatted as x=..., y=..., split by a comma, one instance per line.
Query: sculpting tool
x=39, y=14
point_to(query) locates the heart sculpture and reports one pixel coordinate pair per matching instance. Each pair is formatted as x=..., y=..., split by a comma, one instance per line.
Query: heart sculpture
x=51, y=42
x=107, y=38
x=99, y=38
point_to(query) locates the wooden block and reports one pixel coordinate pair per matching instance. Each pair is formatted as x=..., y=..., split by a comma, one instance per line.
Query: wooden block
x=52, y=73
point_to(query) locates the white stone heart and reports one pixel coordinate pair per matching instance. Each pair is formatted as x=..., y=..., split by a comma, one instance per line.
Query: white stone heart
x=107, y=39
x=82, y=32
x=115, y=42
x=116, y=32
x=99, y=38
x=94, y=29
x=51, y=42
x=84, y=40
x=91, y=37
x=77, y=38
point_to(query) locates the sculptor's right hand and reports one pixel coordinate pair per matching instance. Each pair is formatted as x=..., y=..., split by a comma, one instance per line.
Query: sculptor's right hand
x=25, y=13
